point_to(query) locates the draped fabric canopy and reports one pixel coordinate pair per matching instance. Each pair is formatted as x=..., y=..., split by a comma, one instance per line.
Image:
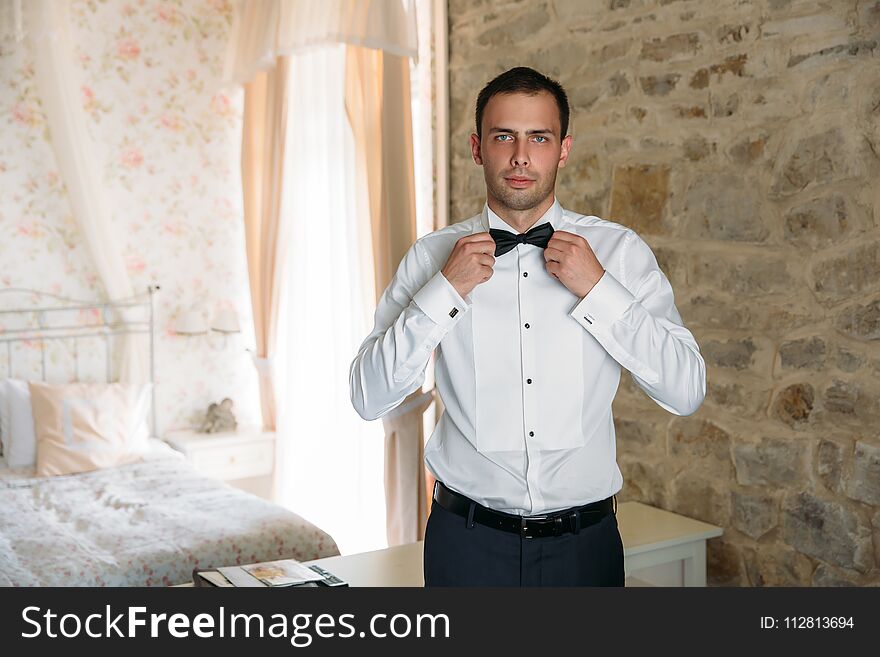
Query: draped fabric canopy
x=264, y=30
x=58, y=83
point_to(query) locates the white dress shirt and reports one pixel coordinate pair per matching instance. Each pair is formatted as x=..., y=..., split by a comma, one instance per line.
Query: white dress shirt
x=526, y=370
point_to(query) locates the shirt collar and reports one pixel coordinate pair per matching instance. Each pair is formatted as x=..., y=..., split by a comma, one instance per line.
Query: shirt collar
x=553, y=216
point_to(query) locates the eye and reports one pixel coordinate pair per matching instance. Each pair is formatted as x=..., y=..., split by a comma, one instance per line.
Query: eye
x=500, y=137
x=540, y=137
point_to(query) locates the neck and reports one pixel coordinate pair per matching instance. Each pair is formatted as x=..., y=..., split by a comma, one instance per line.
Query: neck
x=522, y=220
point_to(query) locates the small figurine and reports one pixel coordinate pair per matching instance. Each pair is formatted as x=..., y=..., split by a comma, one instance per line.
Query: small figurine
x=219, y=418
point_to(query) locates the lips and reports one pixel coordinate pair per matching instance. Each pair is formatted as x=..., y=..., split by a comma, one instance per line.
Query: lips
x=519, y=182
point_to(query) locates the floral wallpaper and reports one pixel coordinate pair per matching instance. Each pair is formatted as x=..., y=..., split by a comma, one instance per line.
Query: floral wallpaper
x=167, y=136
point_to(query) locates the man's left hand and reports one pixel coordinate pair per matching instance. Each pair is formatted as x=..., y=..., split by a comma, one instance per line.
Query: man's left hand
x=571, y=261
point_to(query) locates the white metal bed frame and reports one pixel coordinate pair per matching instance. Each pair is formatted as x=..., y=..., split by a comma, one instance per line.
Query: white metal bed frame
x=39, y=328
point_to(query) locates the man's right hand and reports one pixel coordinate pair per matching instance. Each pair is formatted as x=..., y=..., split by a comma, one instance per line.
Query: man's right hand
x=470, y=262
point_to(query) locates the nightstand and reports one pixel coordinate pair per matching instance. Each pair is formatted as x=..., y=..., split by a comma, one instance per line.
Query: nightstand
x=244, y=458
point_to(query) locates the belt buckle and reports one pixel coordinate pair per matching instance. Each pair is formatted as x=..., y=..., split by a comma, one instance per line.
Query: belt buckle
x=523, y=525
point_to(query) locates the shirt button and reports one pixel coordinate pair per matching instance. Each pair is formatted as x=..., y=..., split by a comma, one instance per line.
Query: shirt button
x=528, y=380
x=527, y=325
x=525, y=274
x=531, y=433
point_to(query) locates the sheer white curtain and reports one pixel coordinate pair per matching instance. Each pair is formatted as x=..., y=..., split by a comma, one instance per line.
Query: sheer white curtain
x=57, y=75
x=332, y=461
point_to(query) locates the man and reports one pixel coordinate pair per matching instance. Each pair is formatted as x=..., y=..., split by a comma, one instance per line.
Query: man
x=533, y=310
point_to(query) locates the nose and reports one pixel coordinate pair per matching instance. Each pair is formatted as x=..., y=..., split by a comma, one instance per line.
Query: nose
x=520, y=157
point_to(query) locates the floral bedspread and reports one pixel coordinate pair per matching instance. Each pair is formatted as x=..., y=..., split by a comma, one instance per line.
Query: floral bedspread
x=142, y=524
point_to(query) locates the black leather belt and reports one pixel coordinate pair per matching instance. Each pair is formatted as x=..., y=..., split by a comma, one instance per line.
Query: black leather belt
x=552, y=524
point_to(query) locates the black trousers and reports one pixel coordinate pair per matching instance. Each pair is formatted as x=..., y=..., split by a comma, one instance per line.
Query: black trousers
x=458, y=555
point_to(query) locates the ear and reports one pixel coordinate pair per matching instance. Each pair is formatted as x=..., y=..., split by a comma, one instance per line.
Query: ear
x=475, y=149
x=566, y=148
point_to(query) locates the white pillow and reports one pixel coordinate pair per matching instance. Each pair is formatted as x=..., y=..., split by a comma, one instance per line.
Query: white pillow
x=86, y=426
x=17, y=420
x=19, y=438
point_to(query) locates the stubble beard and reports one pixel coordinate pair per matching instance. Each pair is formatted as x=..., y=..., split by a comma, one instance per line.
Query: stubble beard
x=521, y=199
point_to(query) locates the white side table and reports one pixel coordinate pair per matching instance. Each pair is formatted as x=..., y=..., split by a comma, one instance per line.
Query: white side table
x=244, y=458
x=662, y=548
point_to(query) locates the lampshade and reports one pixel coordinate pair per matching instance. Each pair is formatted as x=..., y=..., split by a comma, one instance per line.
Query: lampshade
x=190, y=322
x=226, y=321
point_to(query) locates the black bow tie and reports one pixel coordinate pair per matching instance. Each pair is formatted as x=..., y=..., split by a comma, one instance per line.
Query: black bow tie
x=505, y=240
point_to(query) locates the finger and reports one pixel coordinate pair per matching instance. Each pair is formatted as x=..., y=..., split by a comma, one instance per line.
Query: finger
x=478, y=237
x=564, y=244
x=480, y=246
x=488, y=260
x=551, y=253
x=565, y=236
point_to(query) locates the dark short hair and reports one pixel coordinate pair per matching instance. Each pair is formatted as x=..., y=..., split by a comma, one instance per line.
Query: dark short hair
x=523, y=79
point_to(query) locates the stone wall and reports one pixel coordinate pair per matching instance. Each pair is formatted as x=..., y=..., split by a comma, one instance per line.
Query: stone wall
x=740, y=138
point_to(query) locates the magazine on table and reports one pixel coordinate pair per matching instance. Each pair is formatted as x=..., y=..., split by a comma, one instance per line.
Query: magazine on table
x=272, y=574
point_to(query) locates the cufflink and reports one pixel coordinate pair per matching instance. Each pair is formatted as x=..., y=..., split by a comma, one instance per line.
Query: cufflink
x=453, y=312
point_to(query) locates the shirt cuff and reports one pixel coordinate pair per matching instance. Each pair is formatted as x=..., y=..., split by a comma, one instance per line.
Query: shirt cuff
x=440, y=301
x=603, y=305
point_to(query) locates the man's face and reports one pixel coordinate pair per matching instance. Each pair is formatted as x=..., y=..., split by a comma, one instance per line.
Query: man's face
x=521, y=149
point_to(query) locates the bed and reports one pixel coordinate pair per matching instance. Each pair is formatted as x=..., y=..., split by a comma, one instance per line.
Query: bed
x=143, y=523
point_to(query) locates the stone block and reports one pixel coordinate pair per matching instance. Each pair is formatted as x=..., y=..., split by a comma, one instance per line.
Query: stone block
x=735, y=65
x=640, y=436
x=613, y=51
x=724, y=105
x=694, y=440
x=690, y=112
x=745, y=397
x=804, y=353
x=864, y=48
x=737, y=353
x=672, y=263
x=618, y=84
x=671, y=48
x=849, y=274
x=727, y=34
x=771, y=462
x=643, y=481
x=659, y=85
x=724, y=207
x=748, y=150
x=794, y=404
x=741, y=274
x=575, y=12
x=775, y=565
x=754, y=514
x=829, y=464
x=638, y=197
x=724, y=565
x=696, y=148
x=814, y=159
x=848, y=360
x=826, y=530
x=701, y=497
x=860, y=320
x=516, y=30
x=826, y=575
x=817, y=223
x=851, y=403
x=863, y=483
x=715, y=311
